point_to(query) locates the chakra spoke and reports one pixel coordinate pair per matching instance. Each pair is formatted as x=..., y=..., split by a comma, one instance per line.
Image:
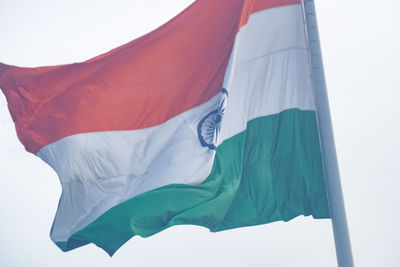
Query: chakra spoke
x=210, y=126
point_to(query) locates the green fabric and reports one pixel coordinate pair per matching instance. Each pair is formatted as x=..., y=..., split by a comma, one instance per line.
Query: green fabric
x=272, y=171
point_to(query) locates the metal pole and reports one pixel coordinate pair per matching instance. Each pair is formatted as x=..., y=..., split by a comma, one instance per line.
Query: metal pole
x=331, y=169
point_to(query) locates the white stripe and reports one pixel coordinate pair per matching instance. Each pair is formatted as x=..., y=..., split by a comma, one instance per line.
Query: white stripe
x=102, y=169
x=268, y=72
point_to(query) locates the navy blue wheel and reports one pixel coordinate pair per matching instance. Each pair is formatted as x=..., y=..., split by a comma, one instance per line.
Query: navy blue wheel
x=210, y=126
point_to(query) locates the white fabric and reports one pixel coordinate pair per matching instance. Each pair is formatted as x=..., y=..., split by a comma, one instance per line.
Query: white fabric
x=102, y=169
x=268, y=73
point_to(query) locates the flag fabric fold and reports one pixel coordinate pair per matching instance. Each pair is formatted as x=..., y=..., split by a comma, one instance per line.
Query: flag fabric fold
x=208, y=120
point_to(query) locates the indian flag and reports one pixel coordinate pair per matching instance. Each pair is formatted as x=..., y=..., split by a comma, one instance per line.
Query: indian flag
x=208, y=120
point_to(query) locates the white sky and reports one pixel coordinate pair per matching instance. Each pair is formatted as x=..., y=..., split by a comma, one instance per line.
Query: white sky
x=360, y=41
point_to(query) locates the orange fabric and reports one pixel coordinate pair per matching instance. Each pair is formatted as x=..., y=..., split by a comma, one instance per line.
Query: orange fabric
x=138, y=85
x=259, y=5
x=265, y=4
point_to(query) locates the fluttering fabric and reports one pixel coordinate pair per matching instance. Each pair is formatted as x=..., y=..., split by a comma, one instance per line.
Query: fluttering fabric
x=208, y=120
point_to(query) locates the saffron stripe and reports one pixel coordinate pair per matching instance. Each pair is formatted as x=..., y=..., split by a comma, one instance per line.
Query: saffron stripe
x=139, y=85
x=267, y=4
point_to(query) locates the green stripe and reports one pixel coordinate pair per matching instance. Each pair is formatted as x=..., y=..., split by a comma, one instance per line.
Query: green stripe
x=272, y=171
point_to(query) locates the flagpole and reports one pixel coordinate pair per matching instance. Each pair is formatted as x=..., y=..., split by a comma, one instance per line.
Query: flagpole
x=331, y=169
